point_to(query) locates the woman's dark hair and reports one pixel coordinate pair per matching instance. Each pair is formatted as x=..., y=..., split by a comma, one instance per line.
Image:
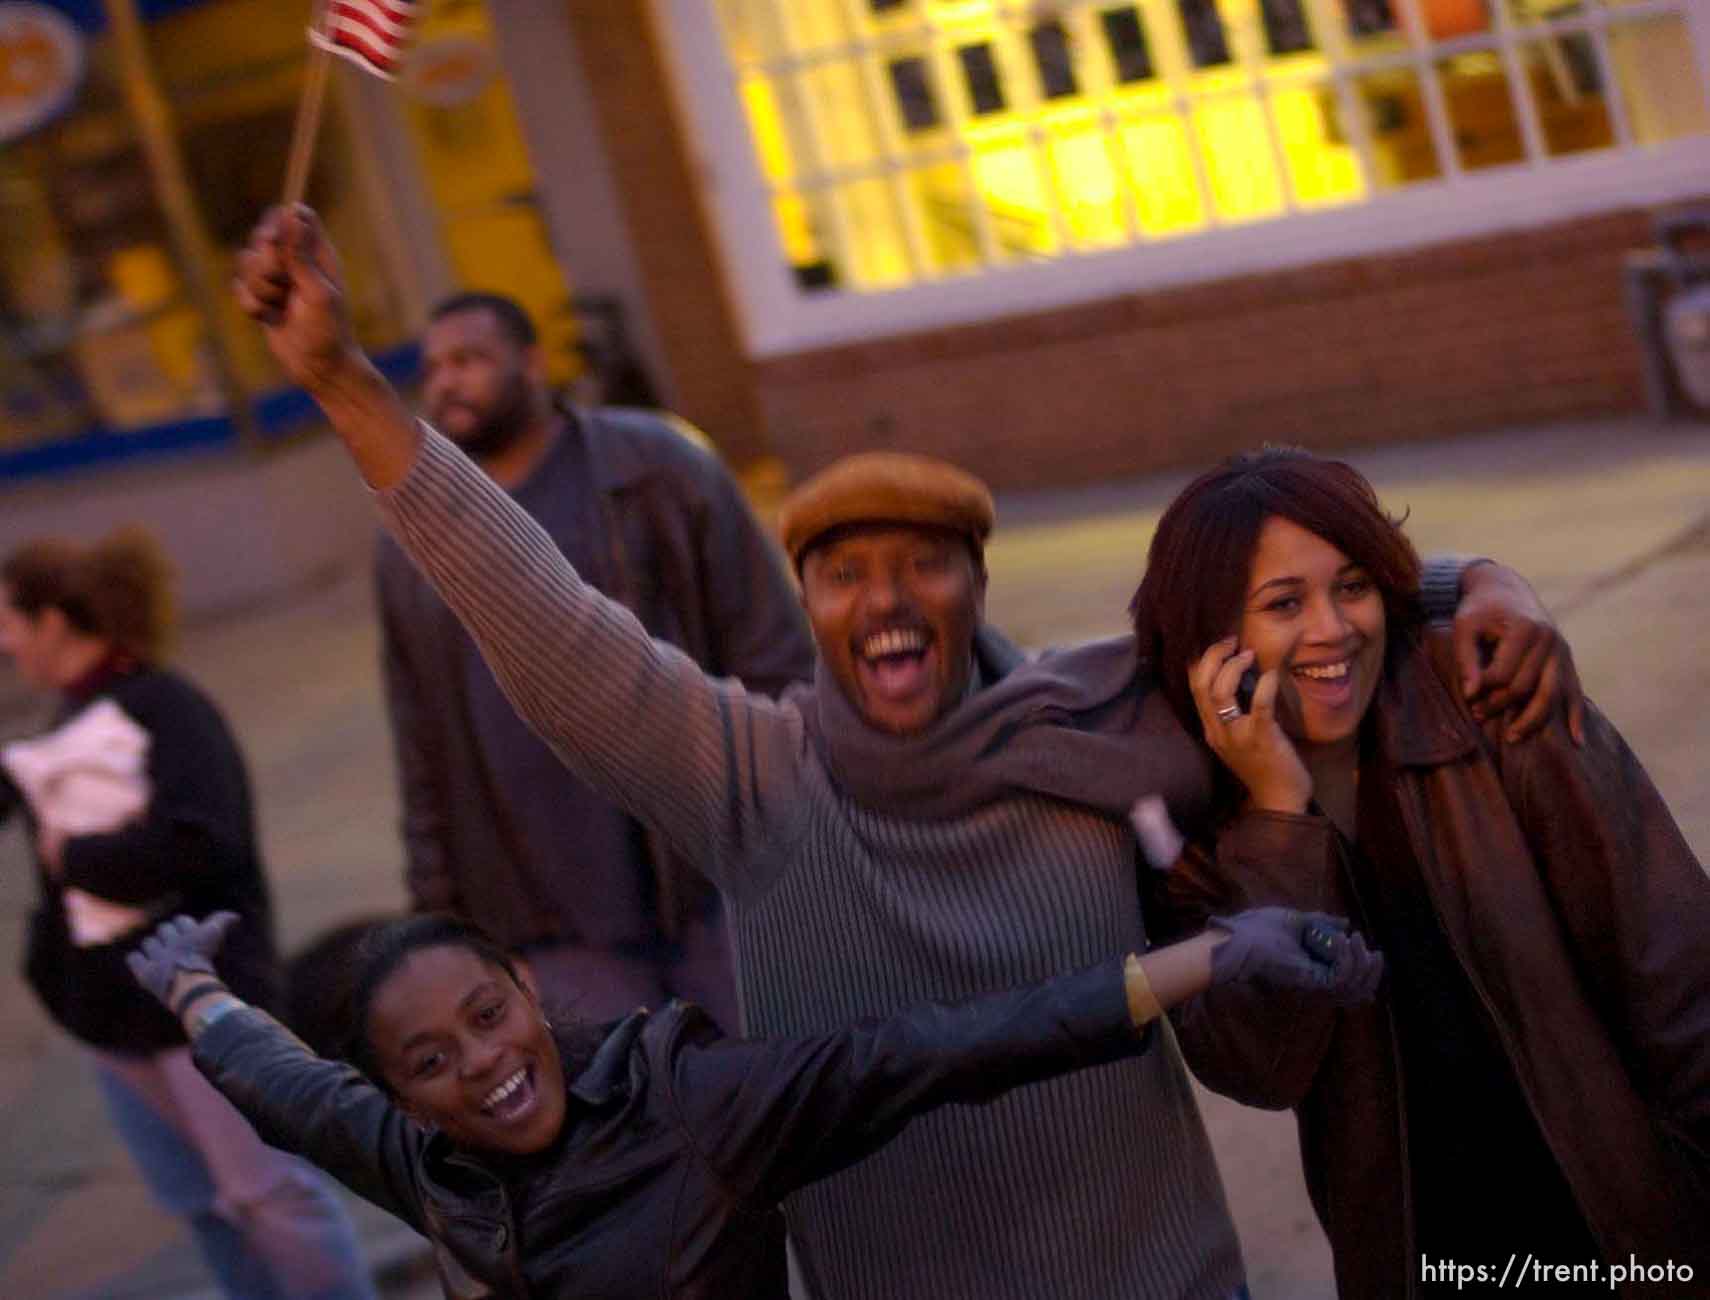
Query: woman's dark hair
x=119, y=589
x=320, y=986
x=1197, y=569
x=383, y=949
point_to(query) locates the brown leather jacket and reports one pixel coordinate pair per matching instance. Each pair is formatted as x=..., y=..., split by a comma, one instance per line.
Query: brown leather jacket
x=1582, y=920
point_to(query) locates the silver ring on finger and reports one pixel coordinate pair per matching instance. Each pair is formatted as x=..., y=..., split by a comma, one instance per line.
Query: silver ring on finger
x=1228, y=713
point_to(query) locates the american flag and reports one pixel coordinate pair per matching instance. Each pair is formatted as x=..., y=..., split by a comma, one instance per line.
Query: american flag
x=370, y=33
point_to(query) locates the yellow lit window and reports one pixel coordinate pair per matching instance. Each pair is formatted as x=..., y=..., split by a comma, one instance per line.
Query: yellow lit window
x=907, y=140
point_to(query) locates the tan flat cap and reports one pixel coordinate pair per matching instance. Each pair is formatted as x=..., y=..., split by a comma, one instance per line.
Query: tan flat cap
x=885, y=487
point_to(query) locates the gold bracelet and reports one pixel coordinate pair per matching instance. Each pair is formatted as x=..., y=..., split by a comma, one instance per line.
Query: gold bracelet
x=1143, y=1004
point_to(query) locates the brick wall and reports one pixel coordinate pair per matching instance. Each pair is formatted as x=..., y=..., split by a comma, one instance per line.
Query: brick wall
x=1510, y=329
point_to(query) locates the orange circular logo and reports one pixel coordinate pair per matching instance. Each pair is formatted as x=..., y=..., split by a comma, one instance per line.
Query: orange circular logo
x=41, y=63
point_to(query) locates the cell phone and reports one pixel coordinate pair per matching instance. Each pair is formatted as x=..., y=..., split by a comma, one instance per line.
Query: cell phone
x=1319, y=942
x=1244, y=689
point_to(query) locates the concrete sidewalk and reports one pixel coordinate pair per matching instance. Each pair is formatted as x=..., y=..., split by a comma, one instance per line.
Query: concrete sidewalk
x=1611, y=521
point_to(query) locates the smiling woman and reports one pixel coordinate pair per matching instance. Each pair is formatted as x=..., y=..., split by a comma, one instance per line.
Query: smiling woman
x=1536, y=1072
x=439, y=1006
x=1314, y=621
x=647, y=1158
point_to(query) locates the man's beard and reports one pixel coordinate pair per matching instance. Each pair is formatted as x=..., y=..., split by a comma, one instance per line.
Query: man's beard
x=500, y=425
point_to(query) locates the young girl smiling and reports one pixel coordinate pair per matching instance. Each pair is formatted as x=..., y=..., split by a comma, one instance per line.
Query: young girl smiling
x=647, y=1158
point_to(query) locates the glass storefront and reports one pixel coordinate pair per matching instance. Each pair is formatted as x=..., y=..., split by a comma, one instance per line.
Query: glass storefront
x=910, y=140
x=104, y=351
x=99, y=334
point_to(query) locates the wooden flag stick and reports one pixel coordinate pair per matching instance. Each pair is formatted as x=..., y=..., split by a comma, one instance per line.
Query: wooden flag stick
x=308, y=118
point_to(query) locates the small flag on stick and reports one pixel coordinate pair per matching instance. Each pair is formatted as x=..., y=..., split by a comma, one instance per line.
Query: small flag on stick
x=372, y=34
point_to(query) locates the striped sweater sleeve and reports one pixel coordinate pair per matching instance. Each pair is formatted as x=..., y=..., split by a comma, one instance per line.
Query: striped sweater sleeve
x=1440, y=584
x=703, y=762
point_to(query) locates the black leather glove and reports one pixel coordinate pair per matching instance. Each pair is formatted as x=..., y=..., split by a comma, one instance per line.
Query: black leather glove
x=1280, y=948
x=181, y=944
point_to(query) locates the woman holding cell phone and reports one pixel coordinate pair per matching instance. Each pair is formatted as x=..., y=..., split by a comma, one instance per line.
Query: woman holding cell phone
x=1535, y=1075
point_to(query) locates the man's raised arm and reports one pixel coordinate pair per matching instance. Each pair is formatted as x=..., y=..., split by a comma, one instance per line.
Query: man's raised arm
x=288, y=279
x=636, y=718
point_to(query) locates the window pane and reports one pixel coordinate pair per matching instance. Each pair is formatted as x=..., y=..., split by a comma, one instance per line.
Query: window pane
x=1369, y=17
x=1239, y=163
x=1088, y=193
x=1204, y=29
x=1286, y=31
x=979, y=68
x=1051, y=55
x=848, y=131
x=96, y=325
x=803, y=248
x=1127, y=41
x=873, y=226
x=1481, y=111
x=1446, y=19
x=1402, y=148
x=1652, y=59
x=911, y=82
x=1567, y=91
x=1322, y=167
x=41, y=396
x=817, y=26
x=1007, y=171
x=1160, y=162
x=944, y=200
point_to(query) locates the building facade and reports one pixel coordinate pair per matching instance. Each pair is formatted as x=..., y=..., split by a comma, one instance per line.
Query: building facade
x=1061, y=239
x=139, y=142
x=1053, y=239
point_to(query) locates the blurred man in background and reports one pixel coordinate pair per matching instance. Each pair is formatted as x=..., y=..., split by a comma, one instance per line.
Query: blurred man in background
x=495, y=828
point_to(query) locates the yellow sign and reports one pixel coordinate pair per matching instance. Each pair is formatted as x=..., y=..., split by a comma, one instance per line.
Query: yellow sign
x=41, y=63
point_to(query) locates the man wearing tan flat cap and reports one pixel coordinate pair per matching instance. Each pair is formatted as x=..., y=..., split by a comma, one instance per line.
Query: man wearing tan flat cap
x=931, y=818
x=898, y=648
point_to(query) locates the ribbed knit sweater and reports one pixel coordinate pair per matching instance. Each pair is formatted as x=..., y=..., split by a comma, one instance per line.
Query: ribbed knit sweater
x=1098, y=1186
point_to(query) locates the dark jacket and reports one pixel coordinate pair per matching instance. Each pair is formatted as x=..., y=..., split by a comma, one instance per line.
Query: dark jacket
x=193, y=851
x=495, y=827
x=678, y=1144
x=1578, y=914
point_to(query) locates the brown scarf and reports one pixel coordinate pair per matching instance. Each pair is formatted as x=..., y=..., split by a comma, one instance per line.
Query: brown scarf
x=1085, y=725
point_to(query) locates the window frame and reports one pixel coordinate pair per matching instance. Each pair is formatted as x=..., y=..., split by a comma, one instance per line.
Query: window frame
x=779, y=318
